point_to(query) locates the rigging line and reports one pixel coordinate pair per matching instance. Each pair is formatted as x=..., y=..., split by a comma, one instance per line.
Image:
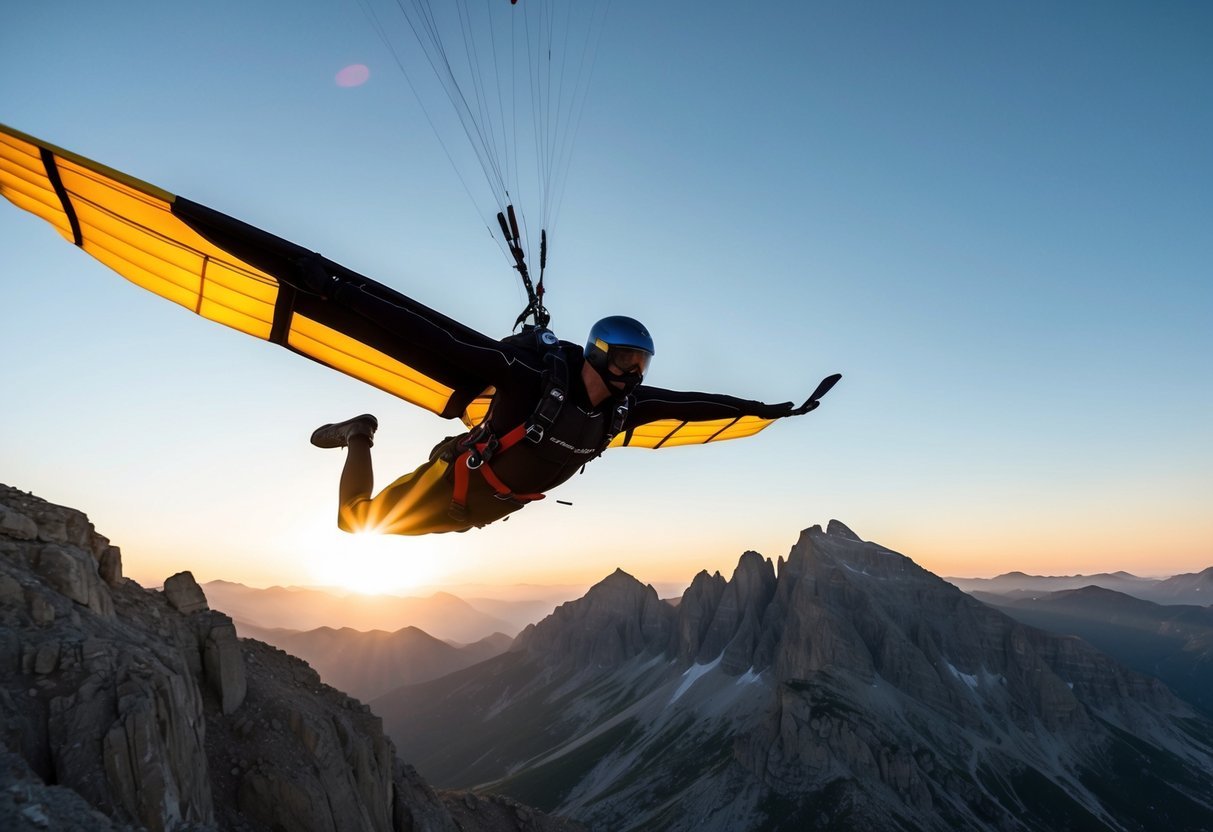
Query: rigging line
x=566, y=99
x=550, y=42
x=514, y=89
x=593, y=43
x=542, y=92
x=540, y=105
x=535, y=89
x=378, y=26
x=505, y=140
x=550, y=114
x=493, y=147
x=571, y=93
x=476, y=76
x=454, y=93
x=557, y=134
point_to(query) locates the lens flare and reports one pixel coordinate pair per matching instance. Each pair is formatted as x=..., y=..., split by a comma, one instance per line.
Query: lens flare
x=354, y=75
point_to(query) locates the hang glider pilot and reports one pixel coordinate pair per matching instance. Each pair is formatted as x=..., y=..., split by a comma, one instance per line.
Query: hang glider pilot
x=554, y=408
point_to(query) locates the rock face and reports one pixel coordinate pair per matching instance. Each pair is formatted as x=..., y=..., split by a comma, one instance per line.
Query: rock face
x=125, y=708
x=845, y=688
x=617, y=619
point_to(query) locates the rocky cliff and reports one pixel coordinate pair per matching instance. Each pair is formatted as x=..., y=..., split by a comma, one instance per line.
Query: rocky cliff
x=130, y=708
x=844, y=688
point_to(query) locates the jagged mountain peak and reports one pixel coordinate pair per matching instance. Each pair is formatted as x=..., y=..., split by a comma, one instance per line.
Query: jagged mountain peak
x=618, y=580
x=840, y=529
x=619, y=617
x=753, y=566
x=817, y=548
x=704, y=575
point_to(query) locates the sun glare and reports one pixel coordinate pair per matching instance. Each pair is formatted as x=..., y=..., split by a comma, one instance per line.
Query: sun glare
x=373, y=563
x=354, y=75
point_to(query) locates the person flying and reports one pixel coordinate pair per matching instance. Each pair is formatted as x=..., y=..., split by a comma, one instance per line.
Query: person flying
x=555, y=408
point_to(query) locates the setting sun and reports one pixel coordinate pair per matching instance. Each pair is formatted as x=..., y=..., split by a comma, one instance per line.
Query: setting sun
x=371, y=563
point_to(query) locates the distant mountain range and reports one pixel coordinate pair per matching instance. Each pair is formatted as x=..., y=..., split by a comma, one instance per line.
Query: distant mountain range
x=441, y=615
x=1172, y=642
x=1193, y=588
x=843, y=689
x=369, y=664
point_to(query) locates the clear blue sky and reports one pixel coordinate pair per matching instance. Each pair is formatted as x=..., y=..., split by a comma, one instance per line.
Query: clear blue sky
x=994, y=219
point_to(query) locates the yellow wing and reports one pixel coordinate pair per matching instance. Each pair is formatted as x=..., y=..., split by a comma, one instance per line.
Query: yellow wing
x=668, y=433
x=214, y=266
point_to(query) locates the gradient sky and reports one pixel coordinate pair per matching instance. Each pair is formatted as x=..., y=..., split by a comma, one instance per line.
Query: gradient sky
x=993, y=219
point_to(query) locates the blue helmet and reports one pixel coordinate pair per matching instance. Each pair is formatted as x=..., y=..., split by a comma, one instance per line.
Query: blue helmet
x=620, y=349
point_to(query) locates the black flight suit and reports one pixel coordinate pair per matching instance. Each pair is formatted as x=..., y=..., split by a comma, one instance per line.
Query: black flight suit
x=420, y=502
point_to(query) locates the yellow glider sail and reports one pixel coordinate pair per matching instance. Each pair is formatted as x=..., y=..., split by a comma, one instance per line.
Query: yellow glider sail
x=226, y=271
x=132, y=227
x=670, y=433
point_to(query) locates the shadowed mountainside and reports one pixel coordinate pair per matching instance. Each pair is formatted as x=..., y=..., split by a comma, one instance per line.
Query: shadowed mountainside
x=369, y=664
x=843, y=689
x=1170, y=641
x=127, y=708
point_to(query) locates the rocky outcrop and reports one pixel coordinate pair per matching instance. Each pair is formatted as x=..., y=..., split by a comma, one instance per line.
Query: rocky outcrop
x=617, y=619
x=96, y=697
x=183, y=593
x=27, y=804
x=736, y=626
x=63, y=549
x=696, y=611
x=145, y=711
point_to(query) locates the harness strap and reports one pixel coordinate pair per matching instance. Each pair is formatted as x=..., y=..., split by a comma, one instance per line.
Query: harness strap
x=555, y=389
x=474, y=459
x=618, y=417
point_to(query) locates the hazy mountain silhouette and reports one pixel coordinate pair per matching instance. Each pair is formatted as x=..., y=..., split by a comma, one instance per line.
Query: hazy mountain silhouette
x=369, y=664
x=1172, y=642
x=843, y=689
x=1193, y=588
x=442, y=615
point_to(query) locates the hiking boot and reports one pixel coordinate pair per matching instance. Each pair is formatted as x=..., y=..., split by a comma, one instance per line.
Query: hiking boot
x=338, y=435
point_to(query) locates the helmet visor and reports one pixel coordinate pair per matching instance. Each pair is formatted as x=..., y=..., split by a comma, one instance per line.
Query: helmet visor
x=629, y=360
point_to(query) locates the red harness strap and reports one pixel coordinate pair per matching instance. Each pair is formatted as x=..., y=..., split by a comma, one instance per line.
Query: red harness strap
x=459, y=496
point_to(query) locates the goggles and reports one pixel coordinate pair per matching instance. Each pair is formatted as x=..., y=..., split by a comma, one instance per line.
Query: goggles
x=628, y=360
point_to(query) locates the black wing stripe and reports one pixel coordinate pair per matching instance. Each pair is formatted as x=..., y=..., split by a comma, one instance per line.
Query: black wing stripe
x=52, y=173
x=669, y=435
x=722, y=430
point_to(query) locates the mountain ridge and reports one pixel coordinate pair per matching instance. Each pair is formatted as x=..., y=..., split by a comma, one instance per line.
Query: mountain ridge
x=844, y=685
x=368, y=663
x=1194, y=588
x=440, y=614
x=1173, y=642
